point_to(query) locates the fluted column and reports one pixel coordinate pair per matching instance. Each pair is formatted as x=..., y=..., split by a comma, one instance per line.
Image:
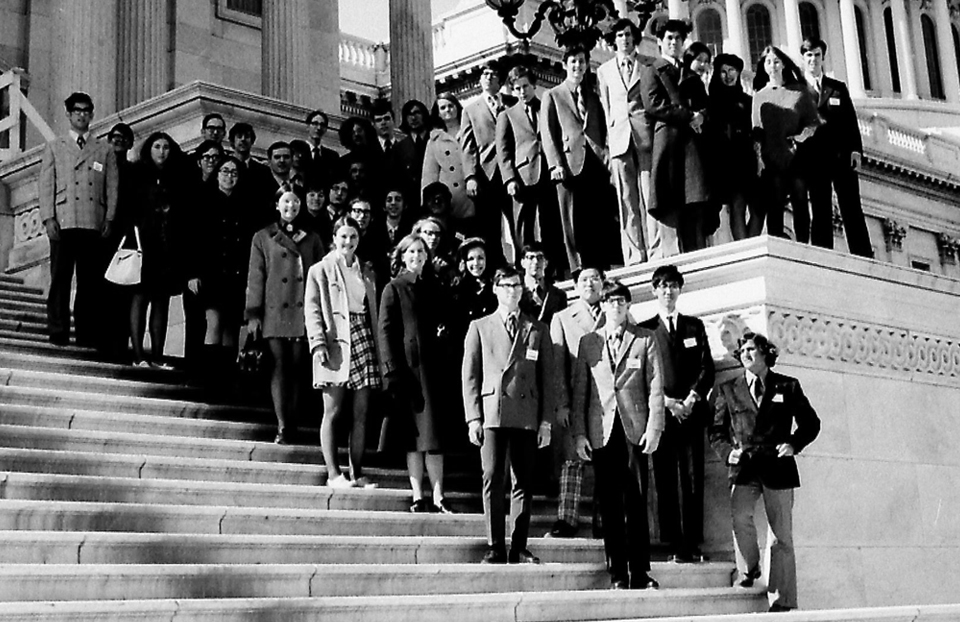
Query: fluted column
x=735, y=31
x=85, y=49
x=411, y=52
x=851, y=48
x=791, y=14
x=879, y=34
x=905, y=51
x=143, y=66
x=285, y=63
x=948, y=57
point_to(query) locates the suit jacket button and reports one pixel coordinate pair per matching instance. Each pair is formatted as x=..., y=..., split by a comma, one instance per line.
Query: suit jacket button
x=456, y=184
x=286, y=305
x=452, y=168
x=284, y=255
x=283, y=280
x=447, y=152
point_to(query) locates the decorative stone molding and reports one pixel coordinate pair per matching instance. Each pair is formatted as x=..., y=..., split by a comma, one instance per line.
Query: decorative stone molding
x=858, y=343
x=949, y=247
x=893, y=234
x=27, y=226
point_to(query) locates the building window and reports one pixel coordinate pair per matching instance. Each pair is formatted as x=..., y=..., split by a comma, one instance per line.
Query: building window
x=710, y=30
x=250, y=7
x=759, y=31
x=891, y=49
x=809, y=21
x=862, y=40
x=933, y=57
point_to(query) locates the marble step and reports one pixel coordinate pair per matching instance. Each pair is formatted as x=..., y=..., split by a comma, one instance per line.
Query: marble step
x=19, y=306
x=496, y=607
x=25, y=327
x=48, y=362
x=14, y=294
x=83, y=400
x=909, y=613
x=14, y=284
x=31, y=316
x=26, y=583
x=80, y=547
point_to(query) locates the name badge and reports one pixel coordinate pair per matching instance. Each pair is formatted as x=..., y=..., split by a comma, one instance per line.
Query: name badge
x=834, y=101
x=690, y=342
x=634, y=363
x=533, y=355
x=98, y=167
x=778, y=398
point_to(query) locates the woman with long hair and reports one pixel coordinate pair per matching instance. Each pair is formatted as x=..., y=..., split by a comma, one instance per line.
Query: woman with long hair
x=784, y=115
x=733, y=159
x=443, y=159
x=341, y=313
x=411, y=328
x=163, y=224
x=280, y=256
x=695, y=64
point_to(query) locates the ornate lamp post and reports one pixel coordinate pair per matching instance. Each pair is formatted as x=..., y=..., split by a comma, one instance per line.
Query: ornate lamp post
x=573, y=21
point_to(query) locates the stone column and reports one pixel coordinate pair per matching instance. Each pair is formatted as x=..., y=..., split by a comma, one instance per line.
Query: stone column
x=948, y=57
x=285, y=64
x=735, y=31
x=85, y=49
x=143, y=66
x=791, y=15
x=411, y=53
x=851, y=48
x=879, y=33
x=905, y=51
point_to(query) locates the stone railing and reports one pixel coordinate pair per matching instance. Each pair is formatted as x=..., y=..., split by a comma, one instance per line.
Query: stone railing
x=888, y=140
x=360, y=53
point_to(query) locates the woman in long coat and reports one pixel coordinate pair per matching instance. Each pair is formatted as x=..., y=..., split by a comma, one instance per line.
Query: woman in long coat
x=280, y=256
x=411, y=328
x=443, y=159
x=341, y=315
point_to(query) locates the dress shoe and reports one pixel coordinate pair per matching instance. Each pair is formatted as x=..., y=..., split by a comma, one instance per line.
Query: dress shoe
x=749, y=578
x=619, y=584
x=523, y=557
x=421, y=506
x=562, y=529
x=778, y=608
x=440, y=507
x=494, y=556
x=644, y=582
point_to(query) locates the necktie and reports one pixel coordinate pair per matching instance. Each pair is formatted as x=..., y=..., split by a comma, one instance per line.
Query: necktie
x=316, y=154
x=81, y=141
x=626, y=69
x=512, y=326
x=387, y=145
x=494, y=104
x=757, y=390
x=670, y=326
x=581, y=104
x=613, y=346
x=532, y=115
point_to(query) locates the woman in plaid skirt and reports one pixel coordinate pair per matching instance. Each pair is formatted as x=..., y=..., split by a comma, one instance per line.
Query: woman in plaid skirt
x=341, y=311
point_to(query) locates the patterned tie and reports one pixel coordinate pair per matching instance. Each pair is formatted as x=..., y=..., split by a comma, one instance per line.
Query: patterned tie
x=581, y=104
x=81, y=141
x=512, y=326
x=613, y=347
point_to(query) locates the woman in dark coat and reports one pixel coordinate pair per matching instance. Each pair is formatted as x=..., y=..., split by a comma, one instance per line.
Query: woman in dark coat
x=693, y=91
x=732, y=156
x=280, y=257
x=162, y=222
x=473, y=295
x=411, y=325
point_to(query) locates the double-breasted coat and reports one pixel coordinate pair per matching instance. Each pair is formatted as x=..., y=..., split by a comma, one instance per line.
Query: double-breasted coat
x=78, y=187
x=442, y=161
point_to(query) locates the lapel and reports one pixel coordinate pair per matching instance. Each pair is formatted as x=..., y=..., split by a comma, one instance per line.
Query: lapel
x=584, y=319
x=742, y=390
x=80, y=154
x=626, y=342
x=635, y=76
x=284, y=240
x=523, y=330
x=670, y=78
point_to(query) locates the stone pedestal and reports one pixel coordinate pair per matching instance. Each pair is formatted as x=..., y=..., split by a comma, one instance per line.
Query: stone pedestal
x=411, y=53
x=143, y=66
x=85, y=52
x=285, y=66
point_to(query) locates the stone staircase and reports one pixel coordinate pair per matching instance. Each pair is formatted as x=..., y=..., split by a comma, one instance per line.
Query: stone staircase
x=134, y=494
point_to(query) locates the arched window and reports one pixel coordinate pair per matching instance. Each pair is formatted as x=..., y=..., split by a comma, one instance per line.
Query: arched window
x=759, y=31
x=933, y=58
x=862, y=40
x=809, y=21
x=891, y=49
x=710, y=29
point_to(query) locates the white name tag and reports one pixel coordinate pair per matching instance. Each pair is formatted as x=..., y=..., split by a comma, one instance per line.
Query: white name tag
x=634, y=363
x=834, y=101
x=98, y=167
x=690, y=342
x=778, y=398
x=533, y=355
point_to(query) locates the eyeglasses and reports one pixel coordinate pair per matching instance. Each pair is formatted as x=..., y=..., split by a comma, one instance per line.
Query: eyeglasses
x=318, y=124
x=210, y=157
x=229, y=172
x=509, y=285
x=216, y=128
x=616, y=302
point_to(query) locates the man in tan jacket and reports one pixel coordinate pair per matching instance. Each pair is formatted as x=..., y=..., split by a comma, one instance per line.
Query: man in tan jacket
x=78, y=202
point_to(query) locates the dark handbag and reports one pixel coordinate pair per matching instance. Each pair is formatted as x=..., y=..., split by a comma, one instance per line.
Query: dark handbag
x=252, y=358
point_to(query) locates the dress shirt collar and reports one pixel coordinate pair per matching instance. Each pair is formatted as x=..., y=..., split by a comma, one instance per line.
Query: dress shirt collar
x=622, y=57
x=752, y=378
x=615, y=332
x=502, y=312
x=673, y=61
x=75, y=135
x=664, y=316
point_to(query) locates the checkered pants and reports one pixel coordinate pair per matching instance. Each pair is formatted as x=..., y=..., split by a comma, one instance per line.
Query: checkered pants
x=571, y=479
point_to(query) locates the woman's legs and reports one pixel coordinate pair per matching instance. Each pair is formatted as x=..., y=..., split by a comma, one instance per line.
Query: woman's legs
x=435, y=470
x=415, y=470
x=159, y=311
x=214, y=334
x=332, y=410
x=138, y=321
x=281, y=351
x=737, y=208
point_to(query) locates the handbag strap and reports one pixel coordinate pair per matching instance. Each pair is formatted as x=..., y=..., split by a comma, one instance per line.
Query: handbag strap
x=136, y=232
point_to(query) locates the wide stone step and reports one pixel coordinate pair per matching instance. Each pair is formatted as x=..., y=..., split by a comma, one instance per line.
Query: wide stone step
x=66, y=547
x=19, y=306
x=48, y=362
x=497, y=607
x=910, y=613
x=23, y=326
x=81, y=400
x=25, y=583
x=14, y=284
x=32, y=315
x=20, y=295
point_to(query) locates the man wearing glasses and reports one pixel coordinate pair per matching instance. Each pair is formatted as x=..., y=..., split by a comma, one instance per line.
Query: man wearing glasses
x=78, y=203
x=617, y=419
x=507, y=357
x=323, y=160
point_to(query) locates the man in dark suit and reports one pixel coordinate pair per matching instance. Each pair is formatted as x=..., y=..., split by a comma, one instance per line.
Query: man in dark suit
x=255, y=177
x=573, y=130
x=541, y=299
x=568, y=326
x=832, y=159
x=78, y=187
x=687, y=379
x=507, y=357
x=617, y=419
x=761, y=420
x=628, y=137
x=323, y=160
x=677, y=189
x=406, y=158
x=478, y=144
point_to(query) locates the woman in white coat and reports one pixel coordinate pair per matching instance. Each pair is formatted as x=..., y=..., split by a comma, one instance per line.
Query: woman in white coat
x=341, y=313
x=443, y=159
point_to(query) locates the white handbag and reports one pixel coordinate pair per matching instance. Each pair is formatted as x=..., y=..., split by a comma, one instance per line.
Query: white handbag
x=126, y=264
